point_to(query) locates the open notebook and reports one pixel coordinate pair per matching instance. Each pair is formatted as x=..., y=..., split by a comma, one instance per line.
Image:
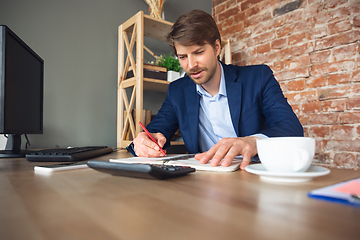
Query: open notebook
x=181, y=160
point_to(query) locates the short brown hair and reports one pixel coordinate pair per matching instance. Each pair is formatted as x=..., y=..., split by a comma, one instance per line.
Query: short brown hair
x=193, y=28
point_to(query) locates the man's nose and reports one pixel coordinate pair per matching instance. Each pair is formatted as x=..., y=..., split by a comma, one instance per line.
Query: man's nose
x=192, y=62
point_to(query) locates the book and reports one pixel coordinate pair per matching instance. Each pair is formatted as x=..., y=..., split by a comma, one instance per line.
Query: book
x=345, y=192
x=182, y=160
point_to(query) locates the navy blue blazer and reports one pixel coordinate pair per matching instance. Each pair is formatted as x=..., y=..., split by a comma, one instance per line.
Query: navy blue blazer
x=256, y=103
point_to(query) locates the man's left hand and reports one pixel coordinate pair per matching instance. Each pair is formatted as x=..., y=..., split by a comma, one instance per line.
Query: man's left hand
x=227, y=149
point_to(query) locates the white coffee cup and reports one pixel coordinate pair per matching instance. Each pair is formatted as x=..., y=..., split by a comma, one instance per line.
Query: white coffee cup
x=286, y=154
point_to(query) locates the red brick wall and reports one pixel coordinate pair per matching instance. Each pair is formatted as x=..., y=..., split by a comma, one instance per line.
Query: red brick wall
x=313, y=47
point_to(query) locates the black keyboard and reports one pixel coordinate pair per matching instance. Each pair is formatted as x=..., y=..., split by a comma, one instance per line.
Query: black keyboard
x=67, y=154
x=140, y=170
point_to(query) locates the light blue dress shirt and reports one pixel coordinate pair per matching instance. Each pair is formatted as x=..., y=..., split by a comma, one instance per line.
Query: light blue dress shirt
x=214, y=117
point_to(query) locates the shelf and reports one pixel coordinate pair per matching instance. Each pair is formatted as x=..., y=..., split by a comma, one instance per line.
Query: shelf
x=153, y=28
x=155, y=85
x=148, y=84
x=176, y=143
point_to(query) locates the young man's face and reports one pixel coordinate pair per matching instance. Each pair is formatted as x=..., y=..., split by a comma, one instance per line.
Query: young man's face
x=199, y=62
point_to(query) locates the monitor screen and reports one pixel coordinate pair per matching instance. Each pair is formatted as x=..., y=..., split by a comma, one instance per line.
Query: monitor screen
x=21, y=87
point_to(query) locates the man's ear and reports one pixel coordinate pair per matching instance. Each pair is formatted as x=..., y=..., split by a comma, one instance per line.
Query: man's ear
x=217, y=47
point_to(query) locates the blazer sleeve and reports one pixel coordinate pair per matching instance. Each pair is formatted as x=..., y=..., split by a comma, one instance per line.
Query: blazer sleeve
x=279, y=117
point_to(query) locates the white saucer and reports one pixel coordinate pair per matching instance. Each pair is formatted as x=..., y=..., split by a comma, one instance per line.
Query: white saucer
x=313, y=171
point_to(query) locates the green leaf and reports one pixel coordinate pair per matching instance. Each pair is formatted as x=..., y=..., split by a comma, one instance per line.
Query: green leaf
x=171, y=63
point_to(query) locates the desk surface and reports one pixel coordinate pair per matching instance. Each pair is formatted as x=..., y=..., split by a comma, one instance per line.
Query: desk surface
x=86, y=204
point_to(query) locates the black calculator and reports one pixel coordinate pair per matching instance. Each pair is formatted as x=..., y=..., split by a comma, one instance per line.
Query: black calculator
x=153, y=171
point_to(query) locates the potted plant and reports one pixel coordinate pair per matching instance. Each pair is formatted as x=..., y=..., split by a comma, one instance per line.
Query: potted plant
x=172, y=65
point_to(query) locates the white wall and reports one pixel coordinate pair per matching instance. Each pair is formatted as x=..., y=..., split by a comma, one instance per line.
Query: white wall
x=78, y=41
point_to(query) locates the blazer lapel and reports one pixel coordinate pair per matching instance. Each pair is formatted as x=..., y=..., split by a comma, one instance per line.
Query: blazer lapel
x=234, y=95
x=192, y=101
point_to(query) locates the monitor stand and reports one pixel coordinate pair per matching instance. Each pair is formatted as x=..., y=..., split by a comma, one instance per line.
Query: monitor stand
x=12, y=149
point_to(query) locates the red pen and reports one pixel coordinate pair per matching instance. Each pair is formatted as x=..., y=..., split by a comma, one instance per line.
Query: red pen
x=147, y=132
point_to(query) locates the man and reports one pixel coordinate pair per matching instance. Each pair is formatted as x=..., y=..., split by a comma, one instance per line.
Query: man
x=220, y=109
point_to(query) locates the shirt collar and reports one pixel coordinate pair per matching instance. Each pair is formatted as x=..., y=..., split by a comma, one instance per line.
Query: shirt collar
x=222, y=89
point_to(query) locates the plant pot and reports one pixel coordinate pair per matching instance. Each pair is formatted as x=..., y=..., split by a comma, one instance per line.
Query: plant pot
x=151, y=71
x=172, y=76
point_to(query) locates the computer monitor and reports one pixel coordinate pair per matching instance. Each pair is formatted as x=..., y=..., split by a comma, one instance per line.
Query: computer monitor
x=21, y=92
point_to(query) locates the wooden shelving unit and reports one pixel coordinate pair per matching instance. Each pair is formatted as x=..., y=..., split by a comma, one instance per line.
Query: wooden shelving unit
x=131, y=39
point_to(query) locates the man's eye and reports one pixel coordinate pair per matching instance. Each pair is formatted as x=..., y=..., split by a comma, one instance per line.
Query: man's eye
x=181, y=57
x=199, y=52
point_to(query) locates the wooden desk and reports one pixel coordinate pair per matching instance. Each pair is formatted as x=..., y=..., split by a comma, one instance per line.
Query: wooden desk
x=86, y=204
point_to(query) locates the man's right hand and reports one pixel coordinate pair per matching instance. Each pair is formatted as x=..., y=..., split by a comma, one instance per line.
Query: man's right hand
x=145, y=147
